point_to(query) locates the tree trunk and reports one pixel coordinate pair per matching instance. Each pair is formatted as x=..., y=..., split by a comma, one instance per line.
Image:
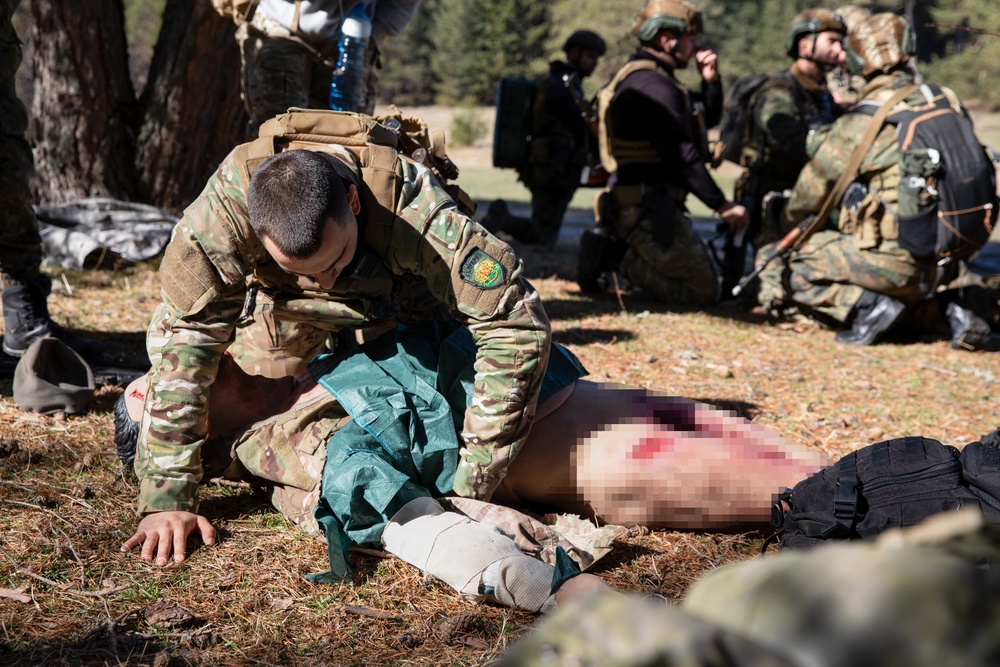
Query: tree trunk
x=192, y=115
x=83, y=102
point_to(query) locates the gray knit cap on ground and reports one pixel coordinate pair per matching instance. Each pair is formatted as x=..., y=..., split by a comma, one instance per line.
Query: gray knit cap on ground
x=51, y=377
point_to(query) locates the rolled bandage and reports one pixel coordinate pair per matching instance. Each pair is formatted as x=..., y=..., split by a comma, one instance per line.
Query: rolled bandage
x=475, y=559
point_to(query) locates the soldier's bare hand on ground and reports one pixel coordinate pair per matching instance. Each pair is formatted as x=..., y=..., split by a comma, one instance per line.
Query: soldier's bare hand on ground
x=708, y=64
x=167, y=532
x=734, y=215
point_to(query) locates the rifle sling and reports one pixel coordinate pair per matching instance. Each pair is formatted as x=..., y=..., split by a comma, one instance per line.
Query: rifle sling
x=857, y=157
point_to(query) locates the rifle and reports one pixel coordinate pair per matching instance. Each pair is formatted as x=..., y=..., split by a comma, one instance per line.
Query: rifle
x=785, y=246
x=735, y=249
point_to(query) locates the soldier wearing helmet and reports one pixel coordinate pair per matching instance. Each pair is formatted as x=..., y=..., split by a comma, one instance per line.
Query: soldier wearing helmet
x=652, y=136
x=844, y=86
x=788, y=109
x=562, y=144
x=854, y=275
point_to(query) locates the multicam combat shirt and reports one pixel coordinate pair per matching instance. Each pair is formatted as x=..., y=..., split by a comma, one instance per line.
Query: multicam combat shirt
x=212, y=257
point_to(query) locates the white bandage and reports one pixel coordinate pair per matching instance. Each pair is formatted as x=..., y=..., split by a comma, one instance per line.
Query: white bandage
x=468, y=556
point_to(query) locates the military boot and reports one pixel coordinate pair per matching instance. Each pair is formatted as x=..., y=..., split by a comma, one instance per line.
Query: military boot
x=968, y=330
x=589, y=264
x=872, y=315
x=26, y=318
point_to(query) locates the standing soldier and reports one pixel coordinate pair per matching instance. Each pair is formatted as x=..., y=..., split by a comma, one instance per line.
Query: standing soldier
x=25, y=288
x=562, y=140
x=288, y=49
x=653, y=139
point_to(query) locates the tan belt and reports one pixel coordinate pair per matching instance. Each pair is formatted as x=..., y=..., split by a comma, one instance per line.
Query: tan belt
x=631, y=195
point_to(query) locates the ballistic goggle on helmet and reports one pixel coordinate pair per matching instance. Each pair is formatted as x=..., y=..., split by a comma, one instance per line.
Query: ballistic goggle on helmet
x=811, y=22
x=676, y=15
x=879, y=45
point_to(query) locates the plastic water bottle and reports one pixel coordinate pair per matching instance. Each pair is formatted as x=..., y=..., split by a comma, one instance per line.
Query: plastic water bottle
x=349, y=87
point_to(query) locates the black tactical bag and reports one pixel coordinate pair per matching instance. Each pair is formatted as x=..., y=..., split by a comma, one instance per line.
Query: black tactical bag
x=889, y=484
x=947, y=189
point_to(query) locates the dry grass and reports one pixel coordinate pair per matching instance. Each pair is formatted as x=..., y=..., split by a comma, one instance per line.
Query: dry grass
x=66, y=506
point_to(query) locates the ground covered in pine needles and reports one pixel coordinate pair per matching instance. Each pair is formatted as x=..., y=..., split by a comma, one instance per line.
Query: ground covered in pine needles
x=70, y=598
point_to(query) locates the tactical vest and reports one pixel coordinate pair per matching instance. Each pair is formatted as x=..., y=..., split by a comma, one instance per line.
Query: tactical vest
x=808, y=112
x=372, y=145
x=617, y=152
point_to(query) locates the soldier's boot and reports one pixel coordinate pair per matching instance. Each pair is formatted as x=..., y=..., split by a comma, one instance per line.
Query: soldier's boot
x=968, y=330
x=872, y=316
x=26, y=318
x=589, y=264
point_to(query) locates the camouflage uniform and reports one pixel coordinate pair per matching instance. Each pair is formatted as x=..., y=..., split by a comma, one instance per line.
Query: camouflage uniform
x=214, y=262
x=654, y=135
x=923, y=597
x=827, y=275
x=282, y=68
x=20, y=244
x=786, y=111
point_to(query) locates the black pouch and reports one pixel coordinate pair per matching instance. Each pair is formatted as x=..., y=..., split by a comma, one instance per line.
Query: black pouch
x=663, y=213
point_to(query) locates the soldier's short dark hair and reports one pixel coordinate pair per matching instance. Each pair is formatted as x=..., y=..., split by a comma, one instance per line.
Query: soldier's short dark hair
x=291, y=196
x=126, y=433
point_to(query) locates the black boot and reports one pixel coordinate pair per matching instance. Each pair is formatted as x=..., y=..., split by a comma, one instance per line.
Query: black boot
x=26, y=319
x=872, y=315
x=968, y=330
x=589, y=264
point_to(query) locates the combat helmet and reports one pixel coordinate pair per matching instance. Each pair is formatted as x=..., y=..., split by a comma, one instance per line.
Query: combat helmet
x=585, y=39
x=853, y=15
x=879, y=44
x=810, y=22
x=677, y=15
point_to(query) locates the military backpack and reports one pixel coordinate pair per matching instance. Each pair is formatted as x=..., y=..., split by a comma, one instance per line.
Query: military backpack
x=512, y=129
x=947, y=188
x=736, y=128
x=894, y=483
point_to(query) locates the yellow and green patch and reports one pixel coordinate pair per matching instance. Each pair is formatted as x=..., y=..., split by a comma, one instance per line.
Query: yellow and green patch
x=482, y=270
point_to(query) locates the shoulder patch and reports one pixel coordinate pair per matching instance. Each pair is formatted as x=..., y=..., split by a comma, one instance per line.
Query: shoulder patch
x=481, y=270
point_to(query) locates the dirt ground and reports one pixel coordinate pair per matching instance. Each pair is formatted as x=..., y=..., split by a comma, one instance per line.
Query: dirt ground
x=70, y=598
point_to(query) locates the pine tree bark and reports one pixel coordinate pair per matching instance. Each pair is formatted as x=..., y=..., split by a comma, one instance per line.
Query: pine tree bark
x=94, y=138
x=192, y=115
x=84, y=103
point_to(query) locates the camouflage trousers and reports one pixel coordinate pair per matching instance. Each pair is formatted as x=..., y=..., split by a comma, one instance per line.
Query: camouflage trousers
x=279, y=72
x=828, y=274
x=680, y=273
x=285, y=455
x=20, y=243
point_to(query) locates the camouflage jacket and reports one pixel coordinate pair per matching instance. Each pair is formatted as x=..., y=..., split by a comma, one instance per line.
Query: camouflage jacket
x=873, y=221
x=785, y=114
x=213, y=257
